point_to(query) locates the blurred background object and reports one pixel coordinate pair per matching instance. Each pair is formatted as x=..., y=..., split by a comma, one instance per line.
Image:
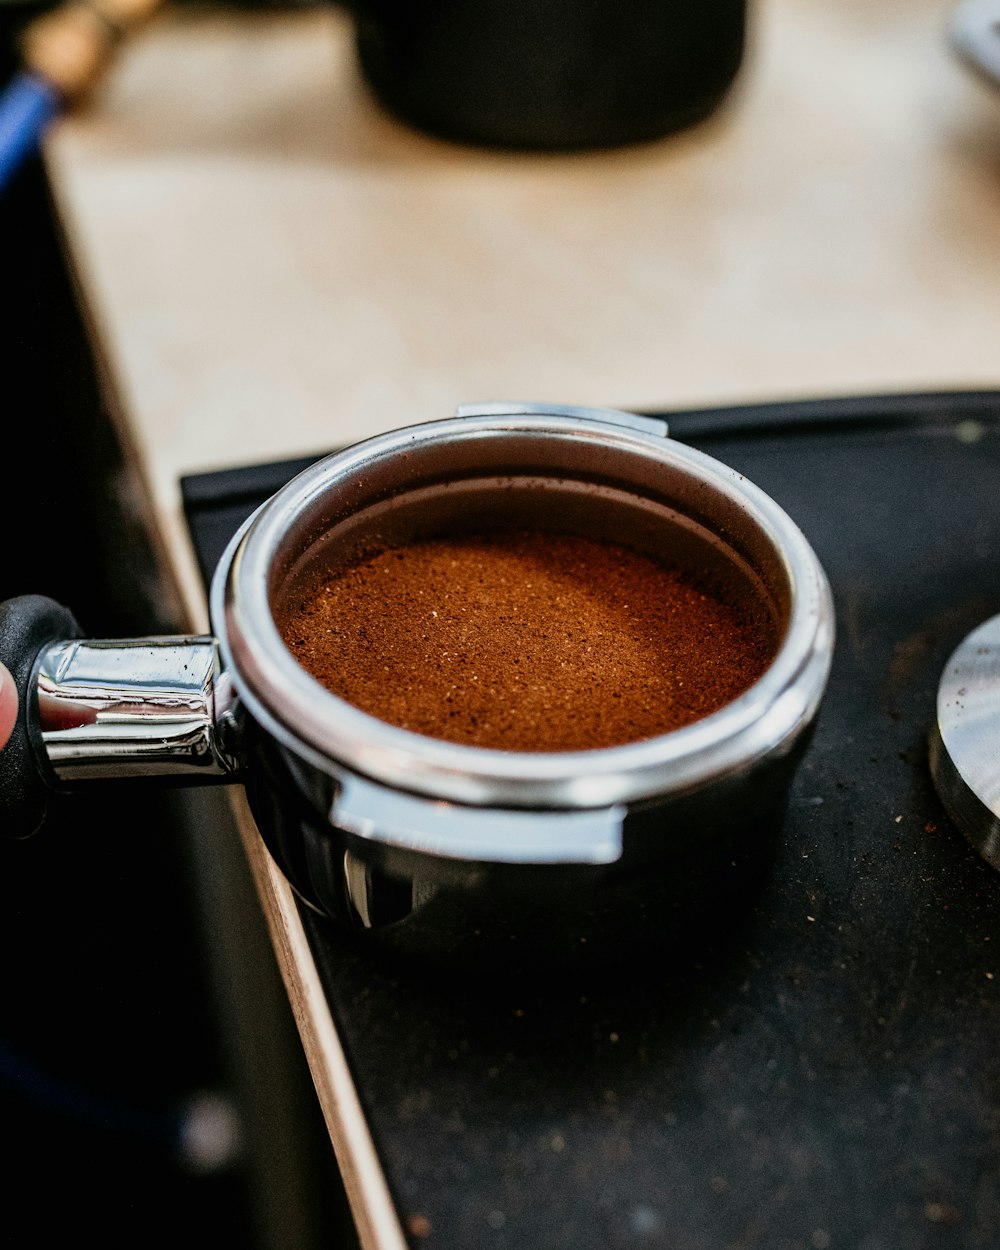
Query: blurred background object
x=550, y=74
x=61, y=53
x=974, y=32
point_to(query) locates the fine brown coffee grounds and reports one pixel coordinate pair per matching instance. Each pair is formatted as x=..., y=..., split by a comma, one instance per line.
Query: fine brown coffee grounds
x=524, y=641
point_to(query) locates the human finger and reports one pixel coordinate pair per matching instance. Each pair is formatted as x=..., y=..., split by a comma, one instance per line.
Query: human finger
x=8, y=705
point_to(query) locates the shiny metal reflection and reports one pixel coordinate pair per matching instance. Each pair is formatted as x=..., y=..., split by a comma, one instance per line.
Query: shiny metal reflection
x=965, y=739
x=141, y=707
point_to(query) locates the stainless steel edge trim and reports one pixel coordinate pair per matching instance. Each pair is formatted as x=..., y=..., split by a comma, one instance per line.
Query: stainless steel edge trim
x=632, y=420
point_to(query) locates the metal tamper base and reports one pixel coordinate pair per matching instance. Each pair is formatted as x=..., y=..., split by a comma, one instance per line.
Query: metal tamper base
x=965, y=739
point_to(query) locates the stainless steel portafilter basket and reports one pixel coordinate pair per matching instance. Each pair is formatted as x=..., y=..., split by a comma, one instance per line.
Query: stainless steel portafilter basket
x=419, y=843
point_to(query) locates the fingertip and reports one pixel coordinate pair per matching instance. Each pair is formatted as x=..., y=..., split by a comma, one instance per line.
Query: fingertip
x=8, y=704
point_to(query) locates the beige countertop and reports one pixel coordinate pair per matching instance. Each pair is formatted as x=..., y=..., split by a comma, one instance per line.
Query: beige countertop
x=273, y=267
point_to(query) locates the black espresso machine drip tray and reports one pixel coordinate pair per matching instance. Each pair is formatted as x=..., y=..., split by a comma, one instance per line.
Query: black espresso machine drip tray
x=821, y=1071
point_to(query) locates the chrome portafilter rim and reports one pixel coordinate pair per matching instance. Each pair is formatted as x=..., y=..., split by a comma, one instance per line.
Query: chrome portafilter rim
x=333, y=735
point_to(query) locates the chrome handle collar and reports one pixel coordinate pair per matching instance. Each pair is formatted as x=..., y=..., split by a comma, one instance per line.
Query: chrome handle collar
x=148, y=707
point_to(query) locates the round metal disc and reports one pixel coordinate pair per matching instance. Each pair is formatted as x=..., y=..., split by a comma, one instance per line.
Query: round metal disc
x=965, y=741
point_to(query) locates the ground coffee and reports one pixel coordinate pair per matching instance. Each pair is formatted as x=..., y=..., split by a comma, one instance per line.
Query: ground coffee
x=525, y=641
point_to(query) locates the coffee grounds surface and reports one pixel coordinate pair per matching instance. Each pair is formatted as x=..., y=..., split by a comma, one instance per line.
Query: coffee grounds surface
x=524, y=641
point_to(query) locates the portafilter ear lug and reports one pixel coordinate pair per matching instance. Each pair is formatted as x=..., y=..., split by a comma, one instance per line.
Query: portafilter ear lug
x=28, y=624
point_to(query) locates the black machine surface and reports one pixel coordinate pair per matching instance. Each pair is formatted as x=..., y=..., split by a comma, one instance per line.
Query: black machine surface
x=818, y=1068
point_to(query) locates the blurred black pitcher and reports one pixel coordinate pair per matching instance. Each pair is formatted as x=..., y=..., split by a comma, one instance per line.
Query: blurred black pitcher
x=550, y=74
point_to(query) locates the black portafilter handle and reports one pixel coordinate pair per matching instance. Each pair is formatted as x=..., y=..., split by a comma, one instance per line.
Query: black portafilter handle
x=28, y=624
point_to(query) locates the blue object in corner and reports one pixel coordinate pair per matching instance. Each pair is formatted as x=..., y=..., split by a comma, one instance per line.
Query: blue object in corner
x=27, y=105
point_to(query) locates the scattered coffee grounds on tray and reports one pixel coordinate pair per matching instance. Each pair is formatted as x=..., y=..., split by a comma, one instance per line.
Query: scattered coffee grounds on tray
x=524, y=641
